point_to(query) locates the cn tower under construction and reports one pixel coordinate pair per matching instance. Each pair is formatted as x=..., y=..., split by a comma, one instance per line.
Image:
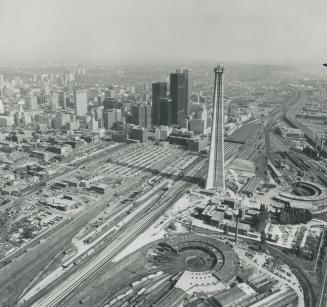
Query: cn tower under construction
x=216, y=173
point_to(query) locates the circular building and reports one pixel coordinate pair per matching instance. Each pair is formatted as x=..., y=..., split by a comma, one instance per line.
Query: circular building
x=196, y=254
x=304, y=195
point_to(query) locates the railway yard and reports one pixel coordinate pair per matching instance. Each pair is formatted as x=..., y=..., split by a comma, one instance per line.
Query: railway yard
x=138, y=214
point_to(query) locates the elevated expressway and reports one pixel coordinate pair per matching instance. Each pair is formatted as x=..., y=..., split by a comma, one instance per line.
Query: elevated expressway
x=290, y=116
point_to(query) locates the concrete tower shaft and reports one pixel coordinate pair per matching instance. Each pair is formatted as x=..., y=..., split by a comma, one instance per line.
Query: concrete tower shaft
x=216, y=173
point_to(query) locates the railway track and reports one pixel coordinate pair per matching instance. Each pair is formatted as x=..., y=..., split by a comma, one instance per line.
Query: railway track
x=308, y=291
x=13, y=278
x=57, y=240
x=94, y=159
x=143, y=221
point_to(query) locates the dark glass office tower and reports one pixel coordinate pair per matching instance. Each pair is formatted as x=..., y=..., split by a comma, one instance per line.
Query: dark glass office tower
x=165, y=111
x=159, y=90
x=179, y=96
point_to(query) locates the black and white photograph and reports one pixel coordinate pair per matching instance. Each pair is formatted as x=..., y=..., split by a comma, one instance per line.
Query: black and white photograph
x=163, y=153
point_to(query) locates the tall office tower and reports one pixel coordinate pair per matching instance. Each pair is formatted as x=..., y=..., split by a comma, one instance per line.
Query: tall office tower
x=60, y=120
x=141, y=115
x=80, y=97
x=58, y=99
x=54, y=101
x=2, y=109
x=159, y=90
x=1, y=85
x=188, y=90
x=44, y=99
x=179, y=96
x=216, y=173
x=165, y=111
x=148, y=114
x=31, y=102
x=93, y=124
x=110, y=117
x=62, y=99
x=137, y=115
x=111, y=103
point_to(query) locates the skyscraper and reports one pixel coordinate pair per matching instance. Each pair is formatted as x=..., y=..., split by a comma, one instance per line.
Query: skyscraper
x=216, y=174
x=147, y=118
x=111, y=103
x=2, y=109
x=110, y=117
x=165, y=111
x=54, y=100
x=159, y=90
x=141, y=115
x=80, y=97
x=31, y=102
x=188, y=89
x=62, y=99
x=179, y=95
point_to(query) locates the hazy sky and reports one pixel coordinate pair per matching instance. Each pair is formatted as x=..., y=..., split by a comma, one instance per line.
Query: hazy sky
x=253, y=31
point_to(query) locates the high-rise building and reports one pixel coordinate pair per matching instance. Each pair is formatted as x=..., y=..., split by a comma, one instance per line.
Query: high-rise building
x=111, y=103
x=31, y=102
x=138, y=133
x=98, y=112
x=165, y=111
x=141, y=115
x=110, y=117
x=54, y=101
x=198, y=123
x=110, y=93
x=148, y=116
x=6, y=121
x=216, y=173
x=179, y=96
x=188, y=90
x=80, y=97
x=2, y=109
x=60, y=120
x=93, y=124
x=62, y=99
x=159, y=90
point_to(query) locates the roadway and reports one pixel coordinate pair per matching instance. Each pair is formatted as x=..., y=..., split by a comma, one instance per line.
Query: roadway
x=290, y=115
